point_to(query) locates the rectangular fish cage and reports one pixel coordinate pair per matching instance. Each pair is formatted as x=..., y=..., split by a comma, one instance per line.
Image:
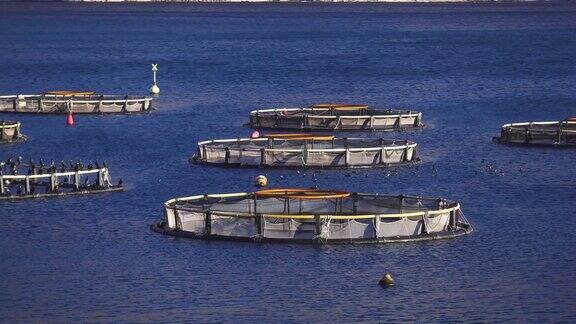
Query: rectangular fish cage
x=303, y=150
x=10, y=132
x=312, y=216
x=39, y=182
x=556, y=133
x=335, y=117
x=63, y=102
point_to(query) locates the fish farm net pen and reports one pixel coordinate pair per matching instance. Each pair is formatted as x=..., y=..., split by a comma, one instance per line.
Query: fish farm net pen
x=10, y=132
x=555, y=133
x=334, y=117
x=306, y=151
x=63, y=102
x=312, y=216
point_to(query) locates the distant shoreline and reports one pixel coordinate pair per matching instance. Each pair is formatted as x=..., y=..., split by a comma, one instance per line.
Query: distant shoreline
x=315, y=1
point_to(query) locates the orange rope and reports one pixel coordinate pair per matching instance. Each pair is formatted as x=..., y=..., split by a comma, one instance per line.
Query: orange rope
x=301, y=137
x=69, y=93
x=340, y=106
x=300, y=194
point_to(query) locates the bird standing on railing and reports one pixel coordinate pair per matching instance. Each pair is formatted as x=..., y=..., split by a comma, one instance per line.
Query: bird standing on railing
x=42, y=165
x=14, y=168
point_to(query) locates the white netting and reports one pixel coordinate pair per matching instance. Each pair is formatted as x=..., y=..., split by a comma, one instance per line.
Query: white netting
x=405, y=226
x=354, y=217
x=352, y=229
x=326, y=118
x=540, y=133
x=90, y=104
x=9, y=131
x=232, y=226
x=170, y=218
x=437, y=223
x=288, y=229
x=306, y=153
x=194, y=222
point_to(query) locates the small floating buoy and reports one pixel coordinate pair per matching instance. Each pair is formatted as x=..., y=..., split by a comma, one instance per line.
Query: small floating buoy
x=254, y=134
x=69, y=119
x=387, y=280
x=154, y=89
x=261, y=181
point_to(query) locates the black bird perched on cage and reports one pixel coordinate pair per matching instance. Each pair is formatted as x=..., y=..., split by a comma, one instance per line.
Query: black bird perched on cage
x=41, y=170
x=120, y=183
x=14, y=168
x=90, y=166
x=62, y=167
x=32, y=166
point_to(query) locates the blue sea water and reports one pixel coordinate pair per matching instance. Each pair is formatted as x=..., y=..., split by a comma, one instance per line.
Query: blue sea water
x=468, y=67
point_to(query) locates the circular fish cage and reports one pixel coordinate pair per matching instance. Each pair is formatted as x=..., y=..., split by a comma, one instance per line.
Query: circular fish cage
x=24, y=180
x=10, y=132
x=312, y=216
x=555, y=133
x=78, y=102
x=306, y=151
x=335, y=117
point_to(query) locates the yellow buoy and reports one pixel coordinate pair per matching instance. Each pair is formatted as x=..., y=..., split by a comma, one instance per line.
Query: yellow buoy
x=261, y=181
x=387, y=280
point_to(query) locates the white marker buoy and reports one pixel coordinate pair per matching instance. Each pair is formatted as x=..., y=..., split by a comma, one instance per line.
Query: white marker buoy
x=261, y=181
x=154, y=88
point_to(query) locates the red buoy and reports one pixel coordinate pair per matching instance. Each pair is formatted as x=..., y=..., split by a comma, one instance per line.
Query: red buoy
x=254, y=134
x=69, y=119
